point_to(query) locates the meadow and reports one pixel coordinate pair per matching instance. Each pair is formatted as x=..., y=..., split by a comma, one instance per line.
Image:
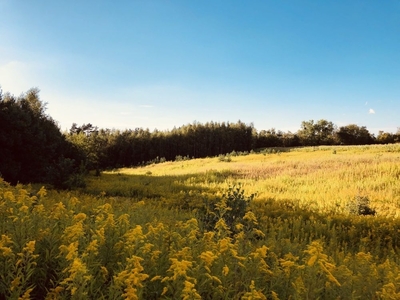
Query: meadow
x=285, y=223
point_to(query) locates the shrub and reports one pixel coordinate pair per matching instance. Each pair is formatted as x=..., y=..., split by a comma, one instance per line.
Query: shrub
x=361, y=206
x=232, y=209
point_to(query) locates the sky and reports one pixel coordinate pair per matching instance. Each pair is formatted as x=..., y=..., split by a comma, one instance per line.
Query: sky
x=164, y=64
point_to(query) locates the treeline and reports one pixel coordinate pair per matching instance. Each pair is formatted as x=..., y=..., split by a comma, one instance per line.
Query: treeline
x=33, y=149
x=107, y=148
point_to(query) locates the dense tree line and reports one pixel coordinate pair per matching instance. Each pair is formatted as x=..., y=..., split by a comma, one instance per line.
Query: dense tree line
x=113, y=148
x=106, y=148
x=32, y=148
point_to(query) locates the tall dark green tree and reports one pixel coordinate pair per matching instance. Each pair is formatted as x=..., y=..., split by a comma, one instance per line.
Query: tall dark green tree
x=319, y=133
x=32, y=148
x=354, y=135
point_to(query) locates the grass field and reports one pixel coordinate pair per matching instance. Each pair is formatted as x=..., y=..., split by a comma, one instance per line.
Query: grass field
x=324, y=179
x=271, y=225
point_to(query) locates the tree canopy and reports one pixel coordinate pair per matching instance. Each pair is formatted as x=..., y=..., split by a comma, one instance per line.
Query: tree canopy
x=32, y=148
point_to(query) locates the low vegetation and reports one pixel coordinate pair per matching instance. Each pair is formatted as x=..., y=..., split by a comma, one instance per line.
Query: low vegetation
x=306, y=223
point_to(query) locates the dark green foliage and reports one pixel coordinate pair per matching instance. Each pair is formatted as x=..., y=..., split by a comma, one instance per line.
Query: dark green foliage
x=319, y=133
x=232, y=208
x=31, y=145
x=354, y=135
x=361, y=206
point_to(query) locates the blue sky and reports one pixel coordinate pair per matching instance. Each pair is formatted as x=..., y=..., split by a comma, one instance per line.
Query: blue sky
x=160, y=64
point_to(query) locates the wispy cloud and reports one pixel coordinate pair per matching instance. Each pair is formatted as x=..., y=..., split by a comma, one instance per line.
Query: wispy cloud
x=371, y=111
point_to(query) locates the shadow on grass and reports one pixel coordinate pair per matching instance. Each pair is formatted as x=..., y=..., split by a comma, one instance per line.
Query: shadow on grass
x=184, y=191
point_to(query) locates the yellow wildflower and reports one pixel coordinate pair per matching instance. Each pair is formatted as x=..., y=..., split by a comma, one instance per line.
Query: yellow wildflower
x=30, y=247
x=132, y=277
x=38, y=208
x=123, y=220
x=42, y=192
x=260, y=252
x=249, y=216
x=189, y=292
x=146, y=248
x=74, y=201
x=74, y=232
x=225, y=270
x=71, y=250
x=15, y=283
x=9, y=196
x=222, y=228
x=157, y=277
x=179, y=267
x=59, y=211
x=164, y=291
x=208, y=257
x=239, y=226
x=24, y=208
x=80, y=217
x=254, y=294
x=93, y=247
x=26, y=295
x=224, y=245
x=4, y=241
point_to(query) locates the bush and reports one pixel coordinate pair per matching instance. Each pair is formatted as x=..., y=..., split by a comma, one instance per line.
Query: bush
x=361, y=206
x=232, y=209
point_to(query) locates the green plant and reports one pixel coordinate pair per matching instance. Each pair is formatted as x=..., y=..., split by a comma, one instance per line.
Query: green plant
x=361, y=206
x=232, y=209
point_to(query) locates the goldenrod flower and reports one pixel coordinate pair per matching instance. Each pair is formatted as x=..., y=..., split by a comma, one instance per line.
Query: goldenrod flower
x=225, y=270
x=38, y=208
x=189, y=292
x=132, y=277
x=9, y=196
x=4, y=241
x=74, y=201
x=224, y=244
x=260, y=252
x=80, y=217
x=146, y=248
x=249, y=216
x=30, y=247
x=164, y=291
x=179, y=267
x=71, y=250
x=208, y=257
x=26, y=295
x=59, y=211
x=24, y=208
x=42, y=192
x=222, y=228
x=123, y=220
x=254, y=294
x=93, y=247
x=15, y=283
x=74, y=232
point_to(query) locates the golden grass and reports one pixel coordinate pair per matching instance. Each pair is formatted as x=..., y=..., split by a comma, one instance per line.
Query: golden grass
x=323, y=178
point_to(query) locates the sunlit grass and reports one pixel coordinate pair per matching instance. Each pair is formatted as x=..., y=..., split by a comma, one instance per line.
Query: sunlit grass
x=323, y=178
